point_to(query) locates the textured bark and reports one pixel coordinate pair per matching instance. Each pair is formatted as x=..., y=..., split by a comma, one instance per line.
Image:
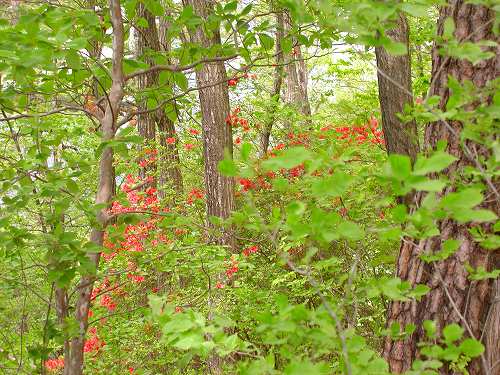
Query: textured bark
x=447, y=279
x=295, y=92
x=395, y=91
x=151, y=40
x=147, y=42
x=169, y=158
x=217, y=135
x=277, y=83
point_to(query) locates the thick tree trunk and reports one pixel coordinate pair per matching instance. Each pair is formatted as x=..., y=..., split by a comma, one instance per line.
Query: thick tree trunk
x=395, y=91
x=295, y=92
x=214, y=102
x=151, y=40
x=147, y=41
x=277, y=83
x=453, y=298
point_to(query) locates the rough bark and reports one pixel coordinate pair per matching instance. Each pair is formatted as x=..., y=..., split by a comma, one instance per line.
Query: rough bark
x=277, y=83
x=217, y=135
x=147, y=42
x=169, y=157
x=452, y=295
x=395, y=91
x=73, y=364
x=295, y=92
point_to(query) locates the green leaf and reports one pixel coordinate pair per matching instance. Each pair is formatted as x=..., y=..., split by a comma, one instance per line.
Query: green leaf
x=288, y=159
x=463, y=199
x=350, y=230
x=472, y=348
x=154, y=7
x=430, y=328
x=227, y=167
x=246, y=149
x=192, y=340
x=414, y=9
x=395, y=48
x=266, y=41
x=426, y=184
x=180, y=80
x=436, y=163
x=331, y=186
x=400, y=166
x=452, y=332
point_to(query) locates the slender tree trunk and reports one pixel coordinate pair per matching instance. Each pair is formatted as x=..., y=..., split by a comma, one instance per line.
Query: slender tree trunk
x=214, y=102
x=395, y=91
x=105, y=190
x=277, y=83
x=453, y=298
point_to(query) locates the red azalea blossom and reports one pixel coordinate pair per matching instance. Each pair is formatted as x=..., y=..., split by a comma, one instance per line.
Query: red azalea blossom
x=188, y=146
x=54, y=364
x=250, y=250
x=170, y=140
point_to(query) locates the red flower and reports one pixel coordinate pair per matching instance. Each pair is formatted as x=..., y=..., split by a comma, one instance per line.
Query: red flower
x=250, y=250
x=170, y=140
x=237, y=140
x=219, y=285
x=232, y=82
x=54, y=364
x=194, y=131
x=189, y=146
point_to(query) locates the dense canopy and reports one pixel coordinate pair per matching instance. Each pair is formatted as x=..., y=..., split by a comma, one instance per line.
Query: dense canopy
x=249, y=187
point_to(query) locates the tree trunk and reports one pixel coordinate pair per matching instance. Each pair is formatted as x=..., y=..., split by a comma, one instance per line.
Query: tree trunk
x=147, y=41
x=169, y=157
x=217, y=135
x=105, y=191
x=295, y=92
x=395, y=91
x=277, y=83
x=451, y=292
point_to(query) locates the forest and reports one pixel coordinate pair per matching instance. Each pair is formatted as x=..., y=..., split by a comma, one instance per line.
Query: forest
x=256, y=187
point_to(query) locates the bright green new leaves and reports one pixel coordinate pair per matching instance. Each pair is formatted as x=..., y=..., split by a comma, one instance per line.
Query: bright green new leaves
x=438, y=161
x=331, y=186
x=290, y=158
x=452, y=332
x=404, y=179
x=400, y=166
x=449, y=247
x=460, y=205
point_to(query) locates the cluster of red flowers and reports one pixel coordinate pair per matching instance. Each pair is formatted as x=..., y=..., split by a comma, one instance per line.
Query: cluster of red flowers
x=54, y=364
x=93, y=343
x=233, y=268
x=360, y=134
x=234, y=120
x=250, y=250
x=149, y=158
x=194, y=195
x=233, y=264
